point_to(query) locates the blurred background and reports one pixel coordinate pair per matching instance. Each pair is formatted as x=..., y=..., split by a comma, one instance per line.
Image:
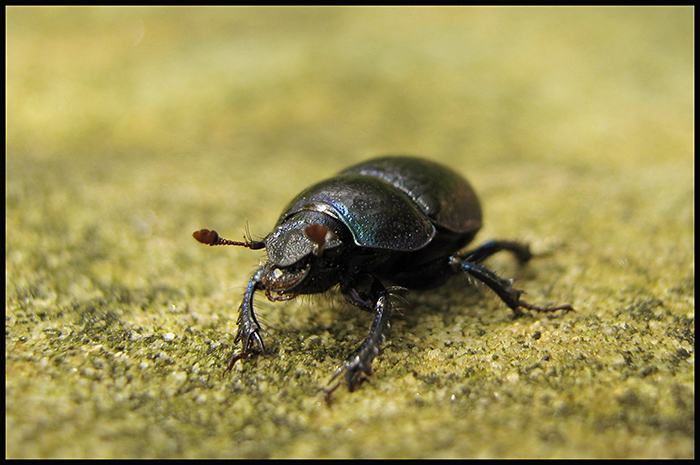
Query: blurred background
x=129, y=128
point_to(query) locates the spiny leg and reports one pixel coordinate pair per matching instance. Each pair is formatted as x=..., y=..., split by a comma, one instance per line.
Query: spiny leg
x=248, y=327
x=361, y=360
x=502, y=287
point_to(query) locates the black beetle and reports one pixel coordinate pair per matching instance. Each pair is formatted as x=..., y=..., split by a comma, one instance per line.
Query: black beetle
x=381, y=225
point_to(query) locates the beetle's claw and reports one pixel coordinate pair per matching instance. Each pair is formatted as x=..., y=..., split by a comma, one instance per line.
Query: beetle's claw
x=330, y=388
x=258, y=340
x=233, y=361
x=247, y=347
x=353, y=369
x=535, y=308
x=247, y=336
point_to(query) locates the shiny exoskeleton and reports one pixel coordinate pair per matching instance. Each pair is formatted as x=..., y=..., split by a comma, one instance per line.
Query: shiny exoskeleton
x=386, y=223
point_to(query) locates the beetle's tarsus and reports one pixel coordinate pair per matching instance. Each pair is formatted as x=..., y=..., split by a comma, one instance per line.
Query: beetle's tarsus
x=330, y=388
x=353, y=368
x=248, y=346
x=535, y=308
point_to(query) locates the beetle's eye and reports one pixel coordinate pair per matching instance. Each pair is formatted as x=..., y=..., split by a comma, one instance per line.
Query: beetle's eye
x=319, y=235
x=316, y=234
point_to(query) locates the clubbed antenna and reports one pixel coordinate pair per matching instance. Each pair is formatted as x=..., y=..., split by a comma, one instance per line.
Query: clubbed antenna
x=212, y=238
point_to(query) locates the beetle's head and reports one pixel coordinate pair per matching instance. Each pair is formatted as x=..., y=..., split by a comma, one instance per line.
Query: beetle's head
x=298, y=243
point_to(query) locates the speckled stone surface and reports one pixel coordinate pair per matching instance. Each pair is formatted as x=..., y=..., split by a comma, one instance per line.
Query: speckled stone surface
x=129, y=128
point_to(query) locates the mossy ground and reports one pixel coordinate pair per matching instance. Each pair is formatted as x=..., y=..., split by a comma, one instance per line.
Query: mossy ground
x=129, y=128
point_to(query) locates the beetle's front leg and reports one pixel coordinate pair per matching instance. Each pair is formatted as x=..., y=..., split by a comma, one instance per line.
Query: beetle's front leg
x=361, y=360
x=248, y=328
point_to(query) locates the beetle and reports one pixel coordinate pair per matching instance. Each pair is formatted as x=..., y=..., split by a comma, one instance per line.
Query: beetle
x=395, y=222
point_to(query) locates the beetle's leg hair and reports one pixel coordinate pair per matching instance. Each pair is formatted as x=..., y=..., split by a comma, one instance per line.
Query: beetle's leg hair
x=502, y=287
x=361, y=360
x=519, y=250
x=248, y=327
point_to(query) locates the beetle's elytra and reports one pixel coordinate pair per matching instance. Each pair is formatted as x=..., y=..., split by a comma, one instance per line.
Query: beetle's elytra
x=385, y=223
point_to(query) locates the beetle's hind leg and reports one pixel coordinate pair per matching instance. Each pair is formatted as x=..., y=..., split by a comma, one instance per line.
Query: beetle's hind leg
x=502, y=287
x=520, y=250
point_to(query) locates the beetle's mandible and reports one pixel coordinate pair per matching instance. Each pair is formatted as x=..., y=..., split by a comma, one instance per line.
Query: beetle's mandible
x=388, y=222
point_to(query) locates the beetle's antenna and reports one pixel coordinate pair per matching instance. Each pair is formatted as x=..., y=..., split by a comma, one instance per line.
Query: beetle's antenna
x=212, y=238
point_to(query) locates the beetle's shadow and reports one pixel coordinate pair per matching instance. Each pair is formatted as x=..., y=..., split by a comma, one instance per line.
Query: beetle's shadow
x=459, y=301
x=462, y=301
x=290, y=325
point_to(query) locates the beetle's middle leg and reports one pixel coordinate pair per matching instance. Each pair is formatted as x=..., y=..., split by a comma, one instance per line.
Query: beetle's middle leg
x=375, y=298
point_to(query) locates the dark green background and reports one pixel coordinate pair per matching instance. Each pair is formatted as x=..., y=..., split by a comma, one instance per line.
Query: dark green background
x=129, y=128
